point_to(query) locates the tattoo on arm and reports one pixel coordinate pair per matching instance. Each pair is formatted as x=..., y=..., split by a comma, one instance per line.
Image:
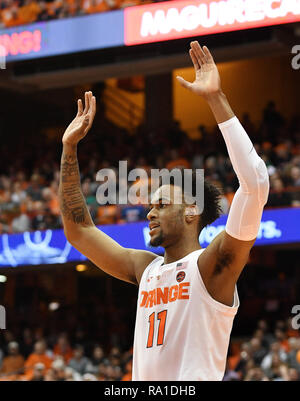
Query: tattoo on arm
x=69, y=168
x=224, y=260
x=72, y=202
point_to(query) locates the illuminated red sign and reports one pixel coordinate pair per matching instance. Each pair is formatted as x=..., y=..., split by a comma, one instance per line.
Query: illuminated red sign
x=21, y=42
x=179, y=19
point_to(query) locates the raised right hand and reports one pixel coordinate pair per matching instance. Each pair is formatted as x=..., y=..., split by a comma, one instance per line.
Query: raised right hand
x=83, y=121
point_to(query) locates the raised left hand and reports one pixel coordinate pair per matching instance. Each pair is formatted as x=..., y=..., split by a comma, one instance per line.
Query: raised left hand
x=207, y=80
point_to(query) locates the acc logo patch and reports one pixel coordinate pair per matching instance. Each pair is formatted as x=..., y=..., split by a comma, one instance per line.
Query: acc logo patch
x=180, y=276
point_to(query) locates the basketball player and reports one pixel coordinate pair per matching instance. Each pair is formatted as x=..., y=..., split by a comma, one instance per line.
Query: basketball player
x=187, y=298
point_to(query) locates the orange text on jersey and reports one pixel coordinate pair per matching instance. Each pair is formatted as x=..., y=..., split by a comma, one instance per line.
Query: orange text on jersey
x=164, y=295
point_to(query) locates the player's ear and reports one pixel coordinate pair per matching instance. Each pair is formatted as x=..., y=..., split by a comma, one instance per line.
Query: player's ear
x=191, y=213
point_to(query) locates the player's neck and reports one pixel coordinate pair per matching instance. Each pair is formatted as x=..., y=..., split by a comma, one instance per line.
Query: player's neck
x=180, y=250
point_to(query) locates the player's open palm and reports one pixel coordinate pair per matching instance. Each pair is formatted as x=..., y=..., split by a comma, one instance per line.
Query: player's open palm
x=207, y=79
x=83, y=121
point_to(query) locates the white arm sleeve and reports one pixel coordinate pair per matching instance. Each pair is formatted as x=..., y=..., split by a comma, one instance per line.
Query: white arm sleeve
x=249, y=200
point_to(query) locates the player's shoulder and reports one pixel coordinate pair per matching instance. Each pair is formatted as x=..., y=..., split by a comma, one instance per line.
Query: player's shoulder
x=141, y=260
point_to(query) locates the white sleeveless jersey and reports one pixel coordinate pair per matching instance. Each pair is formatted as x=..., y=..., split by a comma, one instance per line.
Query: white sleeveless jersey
x=181, y=332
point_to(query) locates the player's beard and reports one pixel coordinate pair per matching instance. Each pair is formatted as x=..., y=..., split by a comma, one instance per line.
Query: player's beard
x=157, y=241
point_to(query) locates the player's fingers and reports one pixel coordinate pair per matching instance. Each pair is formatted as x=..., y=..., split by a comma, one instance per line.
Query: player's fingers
x=90, y=101
x=93, y=106
x=195, y=52
x=86, y=101
x=92, y=110
x=198, y=52
x=184, y=83
x=79, y=107
x=208, y=55
x=194, y=60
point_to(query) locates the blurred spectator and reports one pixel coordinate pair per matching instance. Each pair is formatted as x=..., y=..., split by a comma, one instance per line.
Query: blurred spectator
x=29, y=12
x=18, y=194
x=35, y=189
x=13, y=364
x=21, y=223
x=128, y=371
x=58, y=369
x=95, y=361
x=282, y=339
x=278, y=197
x=108, y=214
x=258, y=351
x=94, y=6
x=38, y=356
x=177, y=161
x=256, y=374
x=244, y=360
x=277, y=371
x=293, y=375
x=63, y=348
x=266, y=337
x=88, y=377
x=27, y=342
x=293, y=356
x=79, y=362
x=276, y=351
x=50, y=375
x=295, y=176
x=70, y=375
x=50, y=196
x=38, y=372
x=291, y=331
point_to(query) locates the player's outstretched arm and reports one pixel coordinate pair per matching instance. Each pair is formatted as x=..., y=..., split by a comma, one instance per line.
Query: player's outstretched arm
x=222, y=262
x=122, y=263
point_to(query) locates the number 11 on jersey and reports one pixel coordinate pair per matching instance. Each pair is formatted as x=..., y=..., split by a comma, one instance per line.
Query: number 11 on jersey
x=161, y=316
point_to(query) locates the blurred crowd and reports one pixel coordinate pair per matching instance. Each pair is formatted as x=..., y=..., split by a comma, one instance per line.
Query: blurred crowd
x=20, y=12
x=29, y=186
x=269, y=355
x=35, y=359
